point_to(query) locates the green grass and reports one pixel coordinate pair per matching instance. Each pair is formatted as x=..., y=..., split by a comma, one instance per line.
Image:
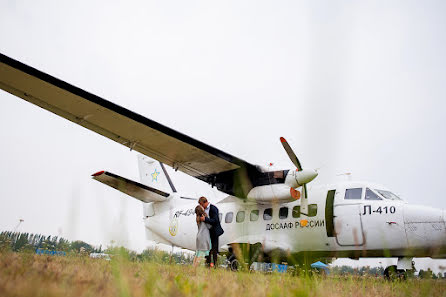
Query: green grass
x=23, y=274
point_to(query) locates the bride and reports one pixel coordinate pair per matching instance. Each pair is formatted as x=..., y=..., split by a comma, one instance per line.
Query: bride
x=203, y=237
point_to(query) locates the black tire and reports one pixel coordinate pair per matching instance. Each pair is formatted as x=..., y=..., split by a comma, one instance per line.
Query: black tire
x=233, y=263
x=392, y=273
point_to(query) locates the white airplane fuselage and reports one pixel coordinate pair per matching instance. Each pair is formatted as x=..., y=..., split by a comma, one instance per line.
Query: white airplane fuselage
x=336, y=226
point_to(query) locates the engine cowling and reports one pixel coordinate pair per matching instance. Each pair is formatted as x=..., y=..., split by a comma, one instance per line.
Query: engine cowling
x=276, y=193
x=283, y=192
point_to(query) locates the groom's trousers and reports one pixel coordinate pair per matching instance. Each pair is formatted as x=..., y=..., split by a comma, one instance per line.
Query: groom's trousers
x=214, y=251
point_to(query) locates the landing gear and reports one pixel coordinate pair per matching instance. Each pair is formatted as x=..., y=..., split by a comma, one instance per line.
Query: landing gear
x=233, y=263
x=241, y=256
x=405, y=268
x=392, y=273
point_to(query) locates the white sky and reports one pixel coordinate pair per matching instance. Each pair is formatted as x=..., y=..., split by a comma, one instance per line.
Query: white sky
x=355, y=86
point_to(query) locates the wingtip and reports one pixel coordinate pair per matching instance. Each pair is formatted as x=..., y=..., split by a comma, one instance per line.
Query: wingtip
x=282, y=139
x=98, y=173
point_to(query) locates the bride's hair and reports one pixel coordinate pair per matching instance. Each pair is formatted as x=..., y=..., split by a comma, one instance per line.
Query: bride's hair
x=199, y=211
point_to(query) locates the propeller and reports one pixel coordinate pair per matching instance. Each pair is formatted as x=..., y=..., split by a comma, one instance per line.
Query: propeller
x=295, y=160
x=291, y=153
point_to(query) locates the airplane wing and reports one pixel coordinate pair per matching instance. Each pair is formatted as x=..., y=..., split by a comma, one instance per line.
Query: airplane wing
x=230, y=174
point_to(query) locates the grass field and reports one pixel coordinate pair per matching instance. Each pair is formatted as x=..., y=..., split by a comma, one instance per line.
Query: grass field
x=26, y=274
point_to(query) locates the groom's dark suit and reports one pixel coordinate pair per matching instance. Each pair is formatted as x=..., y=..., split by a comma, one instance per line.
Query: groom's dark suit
x=215, y=231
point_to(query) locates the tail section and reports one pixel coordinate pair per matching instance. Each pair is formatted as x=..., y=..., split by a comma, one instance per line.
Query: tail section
x=155, y=189
x=153, y=174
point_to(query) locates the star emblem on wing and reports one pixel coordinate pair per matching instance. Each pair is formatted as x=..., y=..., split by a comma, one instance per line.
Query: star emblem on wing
x=155, y=175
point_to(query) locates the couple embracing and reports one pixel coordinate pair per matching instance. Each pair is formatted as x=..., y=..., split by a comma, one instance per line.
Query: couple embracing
x=209, y=229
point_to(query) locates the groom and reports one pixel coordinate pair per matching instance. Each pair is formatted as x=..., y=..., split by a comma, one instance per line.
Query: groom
x=215, y=231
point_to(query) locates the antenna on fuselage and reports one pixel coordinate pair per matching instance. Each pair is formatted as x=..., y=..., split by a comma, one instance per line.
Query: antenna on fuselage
x=347, y=174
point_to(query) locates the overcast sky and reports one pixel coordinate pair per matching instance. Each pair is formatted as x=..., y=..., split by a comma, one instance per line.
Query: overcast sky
x=355, y=86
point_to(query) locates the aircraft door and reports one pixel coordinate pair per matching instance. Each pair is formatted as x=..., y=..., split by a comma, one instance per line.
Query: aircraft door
x=347, y=219
x=241, y=222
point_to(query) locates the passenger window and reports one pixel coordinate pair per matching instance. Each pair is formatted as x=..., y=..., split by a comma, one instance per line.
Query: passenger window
x=220, y=215
x=240, y=216
x=296, y=211
x=353, y=194
x=370, y=195
x=283, y=213
x=229, y=217
x=268, y=214
x=312, y=210
x=254, y=216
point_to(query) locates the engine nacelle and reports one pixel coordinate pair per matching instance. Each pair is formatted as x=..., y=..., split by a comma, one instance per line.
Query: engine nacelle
x=296, y=179
x=276, y=193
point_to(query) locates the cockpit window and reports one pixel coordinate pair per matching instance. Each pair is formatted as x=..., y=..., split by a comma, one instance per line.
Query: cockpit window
x=355, y=194
x=370, y=195
x=388, y=195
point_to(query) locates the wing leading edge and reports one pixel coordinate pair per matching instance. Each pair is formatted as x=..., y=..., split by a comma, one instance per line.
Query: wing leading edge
x=112, y=121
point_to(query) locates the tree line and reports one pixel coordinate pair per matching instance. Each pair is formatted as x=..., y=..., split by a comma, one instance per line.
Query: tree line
x=378, y=271
x=17, y=242
x=29, y=242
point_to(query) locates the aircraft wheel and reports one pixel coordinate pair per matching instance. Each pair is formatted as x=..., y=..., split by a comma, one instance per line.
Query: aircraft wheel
x=392, y=273
x=233, y=263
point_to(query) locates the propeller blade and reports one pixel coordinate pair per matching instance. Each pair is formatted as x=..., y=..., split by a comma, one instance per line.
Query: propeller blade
x=304, y=206
x=290, y=153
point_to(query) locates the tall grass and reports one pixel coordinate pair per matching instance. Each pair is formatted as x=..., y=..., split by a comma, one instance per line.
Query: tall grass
x=26, y=274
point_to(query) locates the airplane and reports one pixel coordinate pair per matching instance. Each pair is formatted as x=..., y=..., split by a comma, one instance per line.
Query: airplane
x=276, y=216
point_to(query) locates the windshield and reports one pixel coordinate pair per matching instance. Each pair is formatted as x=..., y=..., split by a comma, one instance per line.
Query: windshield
x=388, y=195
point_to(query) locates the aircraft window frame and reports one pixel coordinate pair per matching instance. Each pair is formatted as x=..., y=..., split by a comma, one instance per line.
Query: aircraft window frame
x=369, y=191
x=312, y=210
x=283, y=216
x=229, y=217
x=254, y=212
x=295, y=213
x=388, y=195
x=348, y=196
x=265, y=215
x=240, y=216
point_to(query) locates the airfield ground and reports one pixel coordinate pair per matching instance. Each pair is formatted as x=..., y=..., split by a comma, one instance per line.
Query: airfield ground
x=37, y=275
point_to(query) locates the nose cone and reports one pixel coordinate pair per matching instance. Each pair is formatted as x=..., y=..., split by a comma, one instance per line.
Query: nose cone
x=305, y=176
x=421, y=213
x=425, y=229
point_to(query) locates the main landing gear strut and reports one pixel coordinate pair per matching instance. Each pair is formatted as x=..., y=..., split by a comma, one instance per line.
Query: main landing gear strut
x=404, y=267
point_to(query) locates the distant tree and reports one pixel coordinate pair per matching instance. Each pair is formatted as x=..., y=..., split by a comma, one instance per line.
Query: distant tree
x=63, y=245
x=20, y=242
x=5, y=242
x=78, y=244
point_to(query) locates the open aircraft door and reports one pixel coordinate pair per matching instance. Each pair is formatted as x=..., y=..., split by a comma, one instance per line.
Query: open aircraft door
x=347, y=221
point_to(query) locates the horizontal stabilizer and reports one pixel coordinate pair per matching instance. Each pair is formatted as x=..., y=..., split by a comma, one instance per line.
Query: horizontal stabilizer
x=131, y=188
